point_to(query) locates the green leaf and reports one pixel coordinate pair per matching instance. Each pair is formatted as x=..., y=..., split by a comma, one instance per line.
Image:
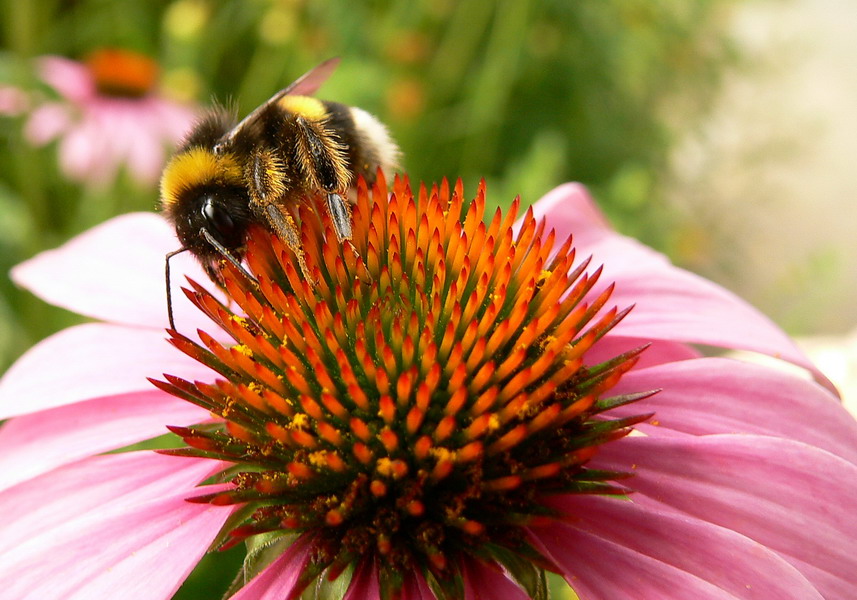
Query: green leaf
x=262, y=550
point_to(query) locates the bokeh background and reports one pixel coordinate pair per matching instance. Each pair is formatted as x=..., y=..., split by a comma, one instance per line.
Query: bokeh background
x=723, y=133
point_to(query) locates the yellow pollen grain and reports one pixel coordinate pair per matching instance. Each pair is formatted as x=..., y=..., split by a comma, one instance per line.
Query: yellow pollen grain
x=547, y=341
x=544, y=275
x=299, y=421
x=443, y=454
x=240, y=320
x=493, y=422
x=255, y=387
x=452, y=514
x=384, y=467
x=243, y=349
x=318, y=459
x=525, y=410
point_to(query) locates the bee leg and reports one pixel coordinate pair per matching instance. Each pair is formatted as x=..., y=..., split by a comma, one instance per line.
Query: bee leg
x=266, y=175
x=168, y=279
x=340, y=215
x=211, y=271
x=321, y=155
x=286, y=229
x=267, y=178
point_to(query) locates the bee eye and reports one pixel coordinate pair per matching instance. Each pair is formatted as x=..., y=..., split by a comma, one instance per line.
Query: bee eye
x=219, y=222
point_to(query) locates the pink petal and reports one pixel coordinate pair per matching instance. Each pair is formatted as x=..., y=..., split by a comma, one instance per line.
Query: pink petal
x=570, y=210
x=593, y=565
x=416, y=588
x=277, y=581
x=833, y=586
x=174, y=120
x=68, y=77
x=658, y=554
x=123, y=280
x=81, y=155
x=483, y=582
x=669, y=303
x=37, y=443
x=793, y=498
x=46, y=122
x=89, y=361
x=116, y=522
x=41, y=503
x=718, y=395
x=657, y=352
x=144, y=152
x=364, y=583
x=672, y=304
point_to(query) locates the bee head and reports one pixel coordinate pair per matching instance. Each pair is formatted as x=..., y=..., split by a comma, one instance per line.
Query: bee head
x=211, y=222
x=203, y=194
x=213, y=219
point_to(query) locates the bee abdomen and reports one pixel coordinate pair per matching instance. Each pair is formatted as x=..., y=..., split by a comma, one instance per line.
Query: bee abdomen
x=368, y=143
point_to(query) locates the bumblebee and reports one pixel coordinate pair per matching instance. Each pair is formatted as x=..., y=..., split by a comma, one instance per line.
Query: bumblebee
x=293, y=148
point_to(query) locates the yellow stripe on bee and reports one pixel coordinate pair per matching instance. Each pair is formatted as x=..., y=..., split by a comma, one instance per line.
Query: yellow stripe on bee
x=195, y=167
x=304, y=106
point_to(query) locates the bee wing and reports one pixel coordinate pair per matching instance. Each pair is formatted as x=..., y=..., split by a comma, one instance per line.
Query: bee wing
x=309, y=82
x=305, y=85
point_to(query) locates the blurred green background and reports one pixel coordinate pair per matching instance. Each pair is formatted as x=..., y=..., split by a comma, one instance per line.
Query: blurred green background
x=527, y=94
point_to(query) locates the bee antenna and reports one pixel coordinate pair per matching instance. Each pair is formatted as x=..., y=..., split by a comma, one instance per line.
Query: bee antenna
x=169, y=290
x=225, y=253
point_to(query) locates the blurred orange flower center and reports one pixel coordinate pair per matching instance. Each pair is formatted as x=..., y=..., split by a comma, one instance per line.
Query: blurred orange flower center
x=119, y=72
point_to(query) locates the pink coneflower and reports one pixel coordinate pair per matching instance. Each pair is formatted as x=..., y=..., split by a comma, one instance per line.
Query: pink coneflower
x=109, y=116
x=444, y=413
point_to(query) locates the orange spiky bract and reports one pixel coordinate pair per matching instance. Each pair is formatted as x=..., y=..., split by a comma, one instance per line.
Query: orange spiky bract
x=419, y=398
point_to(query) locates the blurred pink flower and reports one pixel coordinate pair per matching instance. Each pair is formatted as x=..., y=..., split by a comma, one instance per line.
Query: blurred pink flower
x=744, y=482
x=109, y=117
